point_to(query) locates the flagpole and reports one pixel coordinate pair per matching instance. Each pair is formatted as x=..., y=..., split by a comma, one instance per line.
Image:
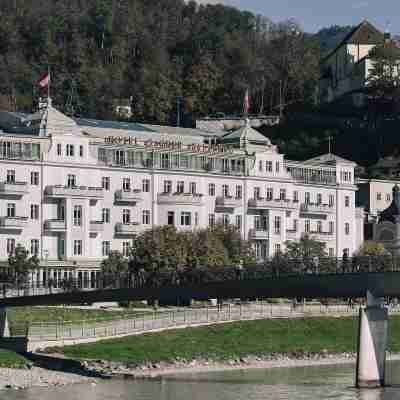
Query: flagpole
x=48, y=86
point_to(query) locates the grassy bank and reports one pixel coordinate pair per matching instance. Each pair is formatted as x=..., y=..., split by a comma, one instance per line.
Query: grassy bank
x=19, y=317
x=234, y=340
x=9, y=359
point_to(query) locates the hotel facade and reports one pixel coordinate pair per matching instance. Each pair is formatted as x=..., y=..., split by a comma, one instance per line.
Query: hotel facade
x=72, y=190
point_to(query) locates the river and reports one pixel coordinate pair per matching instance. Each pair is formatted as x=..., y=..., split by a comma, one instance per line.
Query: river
x=312, y=383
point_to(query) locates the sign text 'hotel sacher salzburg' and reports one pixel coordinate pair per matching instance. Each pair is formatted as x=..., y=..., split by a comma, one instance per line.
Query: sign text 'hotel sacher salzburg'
x=167, y=144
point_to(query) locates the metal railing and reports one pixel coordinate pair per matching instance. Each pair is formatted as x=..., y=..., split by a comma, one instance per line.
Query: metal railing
x=134, y=324
x=158, y=277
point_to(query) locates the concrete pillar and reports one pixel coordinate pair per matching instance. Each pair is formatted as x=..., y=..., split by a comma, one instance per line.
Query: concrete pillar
x=4, y=328
x=372, y=342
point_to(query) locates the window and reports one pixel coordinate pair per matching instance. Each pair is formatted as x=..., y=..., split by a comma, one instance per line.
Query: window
x=70, y=150
x=307, y=226
x=11, y=210
x=238, y=222
x=126, y=184
x=277, y=248
x=346, y=252
x=71, y=180
x=61, y=212
x=167, y=186
x=119, y=156
x=146, y=217
x=347, y=228
x=331, y=227
x=10, y=246
x=295, y=225
x=268, y=166
x=77, y=215
x=192, y=187
x=331, y=252
x=125, y=249
x=77, y=247
x=186, y=218
x=260, y=223
x=211, y=189
x=295, y=196
x=126, y=216
x=146, y=185
x=257, y=194
x=171, y=218
x=270, y=194
x=196, y=218
x=59, y=149
x=319, y=198
x=347, y=201
x=319, y=226
x=388, y=197
x=260, y=165
x=331, y=200
x=239, y=192
x=282, y=194
x=277, y=225
x=165, y=160
x=225, y=220
x=34, y=178
x=379, y=196
x=35, y=247
x=180, y=187
x=80, y=151
x=10, y=176
x=105, y=183
x=105, y=215
x=277, y=166
x=307, y=197
x=34, y=211
x=105, y=248
x=211, y=219
x=225, y=190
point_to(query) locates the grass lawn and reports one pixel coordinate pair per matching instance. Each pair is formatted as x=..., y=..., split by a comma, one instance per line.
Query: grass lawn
x=9, y=359
x=18, y=317
x=233, y=340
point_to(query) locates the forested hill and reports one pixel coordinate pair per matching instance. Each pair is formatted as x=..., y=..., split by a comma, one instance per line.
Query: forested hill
x=152, y=51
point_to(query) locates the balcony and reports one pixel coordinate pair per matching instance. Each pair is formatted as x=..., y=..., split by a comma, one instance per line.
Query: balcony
x=317, y=209
x=191, y=199
x=322, y=236
x=258, y=234
x=292, y=234
x=133, y=196
x=96, y=226
x=265, y=204
x=228, y=202
x=13, y=222
x=61, y=192
x=55, y=225
x=13, y=189
x=127, y=229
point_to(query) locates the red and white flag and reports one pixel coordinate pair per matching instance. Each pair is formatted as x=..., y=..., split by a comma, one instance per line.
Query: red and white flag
x=246, y=102
x=44, y=81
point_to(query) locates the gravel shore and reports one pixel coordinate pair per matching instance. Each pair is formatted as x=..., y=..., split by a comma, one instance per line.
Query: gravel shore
x=41, y=377
x=36, y=376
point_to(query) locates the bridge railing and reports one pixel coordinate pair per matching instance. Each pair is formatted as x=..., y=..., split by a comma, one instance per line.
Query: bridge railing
x=143, y=277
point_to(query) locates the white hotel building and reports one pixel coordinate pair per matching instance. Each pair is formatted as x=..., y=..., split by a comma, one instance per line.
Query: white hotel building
x=72, y=190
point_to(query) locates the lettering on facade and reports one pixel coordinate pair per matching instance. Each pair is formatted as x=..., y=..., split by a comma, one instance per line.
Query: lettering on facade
x=169, y=145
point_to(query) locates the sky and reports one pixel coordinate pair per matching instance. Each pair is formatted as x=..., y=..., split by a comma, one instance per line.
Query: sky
x=316, y=14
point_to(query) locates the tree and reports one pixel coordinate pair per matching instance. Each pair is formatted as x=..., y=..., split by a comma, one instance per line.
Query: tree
x=115, y=269
x=21, y=264
x=371, y=248
x=305, y=249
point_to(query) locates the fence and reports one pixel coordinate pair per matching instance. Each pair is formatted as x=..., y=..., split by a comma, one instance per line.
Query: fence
x=45, y=331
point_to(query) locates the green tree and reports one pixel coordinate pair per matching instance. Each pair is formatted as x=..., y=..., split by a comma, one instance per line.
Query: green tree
x=305, y=248
x=371, y=248
x=115, y=264
x=21, y=264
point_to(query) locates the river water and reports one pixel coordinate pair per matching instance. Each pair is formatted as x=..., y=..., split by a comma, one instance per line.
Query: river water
x=312, y=383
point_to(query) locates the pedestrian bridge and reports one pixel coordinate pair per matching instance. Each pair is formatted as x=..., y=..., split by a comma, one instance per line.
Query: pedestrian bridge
x=371, y=285
x=334, y=285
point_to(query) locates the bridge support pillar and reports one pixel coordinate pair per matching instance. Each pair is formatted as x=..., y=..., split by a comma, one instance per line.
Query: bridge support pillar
x=4, y=328
x=372, y=341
